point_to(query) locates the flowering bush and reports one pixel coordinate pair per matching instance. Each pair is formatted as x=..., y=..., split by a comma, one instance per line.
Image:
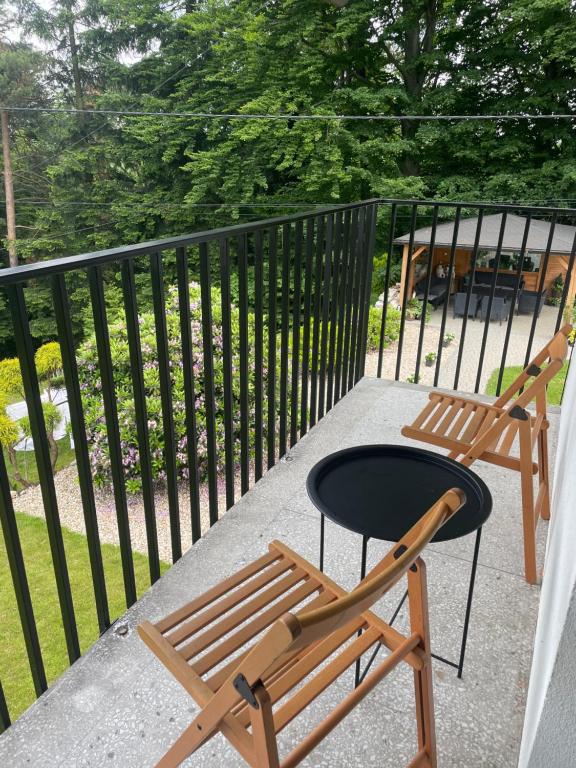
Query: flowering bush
x=92, y=396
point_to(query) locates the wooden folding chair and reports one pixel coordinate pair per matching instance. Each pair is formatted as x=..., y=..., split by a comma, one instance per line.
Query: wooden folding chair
x=207, y=645
x=471, y=430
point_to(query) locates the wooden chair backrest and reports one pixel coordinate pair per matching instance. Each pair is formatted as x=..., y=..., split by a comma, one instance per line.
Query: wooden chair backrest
x=554, y=352
x=320, y=622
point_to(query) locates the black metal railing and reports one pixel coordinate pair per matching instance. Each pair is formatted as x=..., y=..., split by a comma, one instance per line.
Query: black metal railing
x=291, y=297
x=274, y=325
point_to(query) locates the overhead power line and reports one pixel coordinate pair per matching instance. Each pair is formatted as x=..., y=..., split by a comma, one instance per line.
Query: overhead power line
x=286, y=116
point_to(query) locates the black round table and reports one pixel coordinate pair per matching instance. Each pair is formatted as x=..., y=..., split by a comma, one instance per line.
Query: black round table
x=380, y=491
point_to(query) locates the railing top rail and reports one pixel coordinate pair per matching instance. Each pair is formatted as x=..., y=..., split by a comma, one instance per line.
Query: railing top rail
x=14, y=275
x=479, y=206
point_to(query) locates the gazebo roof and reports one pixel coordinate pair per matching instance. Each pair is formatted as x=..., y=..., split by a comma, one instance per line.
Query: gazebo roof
x=562, y=240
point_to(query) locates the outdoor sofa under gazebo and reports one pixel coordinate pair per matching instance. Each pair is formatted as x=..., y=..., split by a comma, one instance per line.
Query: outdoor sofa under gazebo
x=416, y=247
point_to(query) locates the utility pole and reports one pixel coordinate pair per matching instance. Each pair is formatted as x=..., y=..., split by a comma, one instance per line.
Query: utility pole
x=9, y=190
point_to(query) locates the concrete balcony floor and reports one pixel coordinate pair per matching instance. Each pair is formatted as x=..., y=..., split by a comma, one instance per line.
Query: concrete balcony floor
x=118, y=706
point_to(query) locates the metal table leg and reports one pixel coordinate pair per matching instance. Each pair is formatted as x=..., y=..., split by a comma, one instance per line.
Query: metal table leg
x=357, y=679
x=359, y=676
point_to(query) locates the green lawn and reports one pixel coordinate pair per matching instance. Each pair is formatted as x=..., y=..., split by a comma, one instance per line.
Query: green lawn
x=512, y=372
x=14, y=670
x=27, y=462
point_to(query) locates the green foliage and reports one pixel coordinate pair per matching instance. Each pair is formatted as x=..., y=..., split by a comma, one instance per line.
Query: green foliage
x=554, y=297
x=414, y=309
x=375, y=325
x=11, y=378
x=9, y=433
x=92, y=396
x=379, y=274
x=48, y=359
x=52, y=419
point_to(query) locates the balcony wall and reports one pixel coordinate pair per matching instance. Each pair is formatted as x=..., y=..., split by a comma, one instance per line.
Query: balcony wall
x=549, y=736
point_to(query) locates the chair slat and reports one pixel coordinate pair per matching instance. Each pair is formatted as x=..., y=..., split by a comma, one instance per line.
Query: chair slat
x=443, y=406
x=474, y=424
x=426, y=411
x=178, y=616
x=219, y=677
x=235, y=598
x=282, y=683
x=222, y=651
x=448, y=418
x=324, y=678
x=233, y=620
x=461, y=421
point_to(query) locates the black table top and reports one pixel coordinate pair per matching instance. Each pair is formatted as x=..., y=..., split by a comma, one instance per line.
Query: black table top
x=380, y=491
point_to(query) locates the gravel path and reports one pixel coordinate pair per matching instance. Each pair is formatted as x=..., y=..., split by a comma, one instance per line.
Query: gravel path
x=519, y=336
x=29, y=501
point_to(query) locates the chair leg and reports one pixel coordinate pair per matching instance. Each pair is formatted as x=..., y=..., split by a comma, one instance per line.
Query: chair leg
x=544, y=475
x=528, y=517
x=418, y=598
x=263, y=731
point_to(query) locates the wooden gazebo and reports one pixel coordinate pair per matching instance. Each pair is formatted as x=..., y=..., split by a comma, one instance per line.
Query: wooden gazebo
x=414, y=263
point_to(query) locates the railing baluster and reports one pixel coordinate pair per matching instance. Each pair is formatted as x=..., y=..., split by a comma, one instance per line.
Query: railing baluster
x=359, y=274
x=258, y=353
x=306, y=326
x=539, y=297
x=226, y=303
x=4, y=714
x=157, y=275
x=370, y=241
x=426, y=294
x=20, y=582
x=448, y=286
x=473, y=260
x=112, y=428
x=209, y=382
x=284, y=336
x=244, y=415
x=325, y=313
x=296, y=333
x=362, y=307
x=386, y=289
x=316, y=319
x=336, y=270
x=513, y=304
x=345, y=252
x=490, y=301
x=351, y=279
x=141, y=414
x=70, y=368
x=271, y=389
x=404, y=298
x=25, y=352
x=189, y=390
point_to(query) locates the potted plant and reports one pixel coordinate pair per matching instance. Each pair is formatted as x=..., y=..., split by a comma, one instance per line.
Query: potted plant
x=430, y=359
x=448, y=339
x=412, y=379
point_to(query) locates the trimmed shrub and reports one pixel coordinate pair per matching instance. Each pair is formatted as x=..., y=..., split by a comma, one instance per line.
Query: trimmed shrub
x=92, y=395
